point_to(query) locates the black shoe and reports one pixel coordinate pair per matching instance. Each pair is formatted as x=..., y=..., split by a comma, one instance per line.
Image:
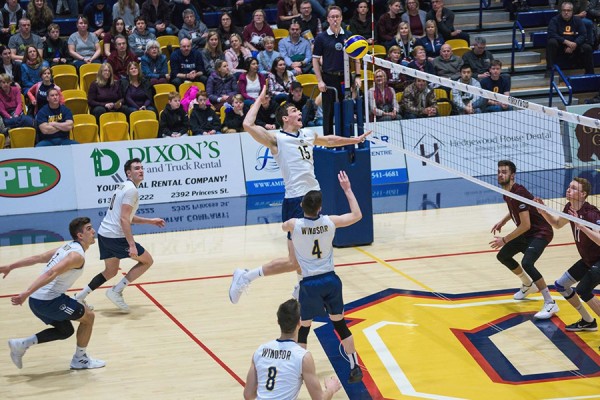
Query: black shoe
x=582, y=325
x=356, y=375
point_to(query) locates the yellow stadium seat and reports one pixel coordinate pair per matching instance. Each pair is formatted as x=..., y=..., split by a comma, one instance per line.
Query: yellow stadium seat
x=66, y=81
x=168, y=40
x=63, y=69
x=399, y=96
x=85, y=133
x=222, y=114
x=307, y=78
x=77, y=105
x=377, y=50
x=311, y=90
x=145, y=129
x=24, y=104
x=139, y=116
x=456, y=43
x=91, y=67
x=441, y=94
x=116, y=131
x=459, y=51
x=186, y=85
x=22, y=137
x=444, y=109
x=161, y=100
x=2, y=141
x=86, y=80
x=279, y=34
x=112, y=117
x=164, y=88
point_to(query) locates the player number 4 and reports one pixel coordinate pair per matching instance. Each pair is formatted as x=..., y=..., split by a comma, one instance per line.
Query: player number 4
x=316, y=250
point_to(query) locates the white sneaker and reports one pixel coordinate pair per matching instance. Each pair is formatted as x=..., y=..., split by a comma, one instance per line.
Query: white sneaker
x=117, y=299
x=525, y=291
x=296, y=292
x=239, y=284
x=82, y=301
x=17, y=351
x=547, y=311
x=86, y=362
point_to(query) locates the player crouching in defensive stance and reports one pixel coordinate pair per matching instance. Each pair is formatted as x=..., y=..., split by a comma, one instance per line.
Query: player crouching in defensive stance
x=320, y=287
x=48, y=301
x=279, y=366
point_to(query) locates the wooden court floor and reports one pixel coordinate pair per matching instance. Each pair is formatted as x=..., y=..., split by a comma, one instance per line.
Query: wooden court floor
x=430, y=308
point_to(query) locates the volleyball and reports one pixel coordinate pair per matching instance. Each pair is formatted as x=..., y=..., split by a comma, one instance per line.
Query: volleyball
x=356, y=46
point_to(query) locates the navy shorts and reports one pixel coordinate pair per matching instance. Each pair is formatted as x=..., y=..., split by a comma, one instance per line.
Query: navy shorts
x=62, y=308
x=291, y=208
x=116, y=248
x=318, y=292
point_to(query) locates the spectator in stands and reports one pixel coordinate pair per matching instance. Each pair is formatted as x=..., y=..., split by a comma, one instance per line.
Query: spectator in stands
x=312, y=24
x=266, y=116
x=234, y=118
x=225, y=29
x=136, y=89
x=314, y=112
x=157, y=14
x=31, y=68
x=105, y=94
x=10, y=67
x=154, y=64
x=141, y=35
x=447, y=65
x=203, y=119
x=280, y=80
x=567, y=40
x=387, y=26
x=121, y=57
x=287, y=11
x=297, y=97
x=432, y=41
x=396, y=80
x=296, y=51
x=11, y=15
x=580, y=10
x=11, y=105
x=479, y=58
x=174, y=120
x=221, y=85
x=415, y=18
x=251, y=83
x=56, y=50
x=405, y=41
x=187, y=64
x=497, y=83
x=128, y=11
x=83, y=46
x=41, y=17
x=20, y=40
x=66, y=7
x=38, y=93
x=100, y=17
x=465, y=102
x=54, y=122
x=212, y=52
x=360, y=23
x=267, y=56
x=420, y=61
x=255, y=32
x=419, y=100
x=444, y=18
x=237, y=55
x=593, y=11
x=382, y=99
x=117, y=28
x=193, y=29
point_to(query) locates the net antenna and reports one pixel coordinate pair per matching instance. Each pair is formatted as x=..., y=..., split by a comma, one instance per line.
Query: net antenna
x=469, y=146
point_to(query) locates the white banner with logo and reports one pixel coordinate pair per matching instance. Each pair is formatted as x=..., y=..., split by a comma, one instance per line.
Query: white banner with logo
x=36, y=180
x=475, y=152
x=189, y=168
x=584, y=143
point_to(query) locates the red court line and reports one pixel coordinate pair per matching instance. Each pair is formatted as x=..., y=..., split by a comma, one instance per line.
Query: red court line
x=191, y=335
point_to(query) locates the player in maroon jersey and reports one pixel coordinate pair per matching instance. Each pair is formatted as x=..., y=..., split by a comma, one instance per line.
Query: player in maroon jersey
x=530, y=237
x=586, y=271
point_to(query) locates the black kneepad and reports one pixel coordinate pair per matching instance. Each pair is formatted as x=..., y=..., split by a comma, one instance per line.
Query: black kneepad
x=342, y=329
x=303, y=334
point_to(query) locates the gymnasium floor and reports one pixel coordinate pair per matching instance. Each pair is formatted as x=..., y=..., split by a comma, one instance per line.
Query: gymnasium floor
x=430, y=308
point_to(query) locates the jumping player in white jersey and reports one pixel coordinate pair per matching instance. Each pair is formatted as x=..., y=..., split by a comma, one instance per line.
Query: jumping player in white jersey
x=279, y=366
x=321, y=288
x=292, y=148
x=115, y=238
x=48, y=301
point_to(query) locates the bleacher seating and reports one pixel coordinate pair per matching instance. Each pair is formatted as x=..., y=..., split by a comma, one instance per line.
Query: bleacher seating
x=537, y=18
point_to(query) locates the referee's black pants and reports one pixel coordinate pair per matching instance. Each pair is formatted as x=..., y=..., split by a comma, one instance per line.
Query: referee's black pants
x=329, y=98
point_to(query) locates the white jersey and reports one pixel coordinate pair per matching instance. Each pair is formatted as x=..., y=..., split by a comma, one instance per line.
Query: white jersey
x=313, y=245
x=64, y=281
x=278, y=366
x=126, y=193
x=295, y=159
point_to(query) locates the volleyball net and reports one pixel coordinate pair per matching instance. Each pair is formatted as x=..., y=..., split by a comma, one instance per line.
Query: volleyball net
x=532, y=136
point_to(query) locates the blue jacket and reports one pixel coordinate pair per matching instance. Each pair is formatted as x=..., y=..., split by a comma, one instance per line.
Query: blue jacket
x=561, y=30
x=154, y=69
x=181, y=64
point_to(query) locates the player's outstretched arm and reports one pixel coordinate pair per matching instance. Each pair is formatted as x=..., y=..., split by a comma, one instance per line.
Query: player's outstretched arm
x=26, y=262
x=311, y=380
x=289, y=225
x=554, y=220
x=150, y=221
x=337, y=141
x=258, y=133
x=355, y=214
x=251, y=383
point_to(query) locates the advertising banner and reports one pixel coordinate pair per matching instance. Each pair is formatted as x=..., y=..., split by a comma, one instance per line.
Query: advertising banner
x=584, y=142
x=189, y=168
x=388, y=165
x=36, y=180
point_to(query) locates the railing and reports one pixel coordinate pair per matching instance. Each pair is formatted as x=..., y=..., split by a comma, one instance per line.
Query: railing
x=482, y=4
x=554, y=86
x=516, y=46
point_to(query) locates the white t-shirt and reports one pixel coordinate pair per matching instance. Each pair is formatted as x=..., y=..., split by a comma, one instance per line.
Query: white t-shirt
x=64, y=281
x=312, y=240
x=128, y=194
x=278, y=366
x=295, y=159
x=253, y=87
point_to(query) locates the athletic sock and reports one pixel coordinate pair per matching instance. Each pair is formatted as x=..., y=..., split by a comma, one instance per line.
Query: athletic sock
x=80, y=352
x=525, y=279
x=255, y=273
x=30, y=341
x=353, y=358
x=585, y=315
x=83, y=293
x=547, y=297
x=121, y=285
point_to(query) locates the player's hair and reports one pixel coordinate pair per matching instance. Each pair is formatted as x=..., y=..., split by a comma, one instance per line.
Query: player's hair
x=127, y=166
x=283, y=112
x=288, y=315
x=585, y=185
x=311, y=203
x=507, y=163
x=76, y=226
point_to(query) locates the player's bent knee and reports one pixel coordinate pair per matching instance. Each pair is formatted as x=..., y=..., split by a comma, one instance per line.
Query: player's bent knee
x=584, y=293
x=65, y=329
x=342, y=329
x=303, y=334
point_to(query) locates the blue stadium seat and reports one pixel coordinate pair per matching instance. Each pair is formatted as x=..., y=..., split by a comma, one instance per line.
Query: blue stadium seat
x=583, y=83
x=212, y=18
x=67, y=25
x=271, y=15
x=536, y=18
x=539, y=39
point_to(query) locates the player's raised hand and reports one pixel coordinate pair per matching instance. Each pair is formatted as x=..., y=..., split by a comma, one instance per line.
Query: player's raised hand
x=364, y=136
x=344, y=181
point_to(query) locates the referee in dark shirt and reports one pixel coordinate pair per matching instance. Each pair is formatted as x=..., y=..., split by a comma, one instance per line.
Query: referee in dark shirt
x=330, y=46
